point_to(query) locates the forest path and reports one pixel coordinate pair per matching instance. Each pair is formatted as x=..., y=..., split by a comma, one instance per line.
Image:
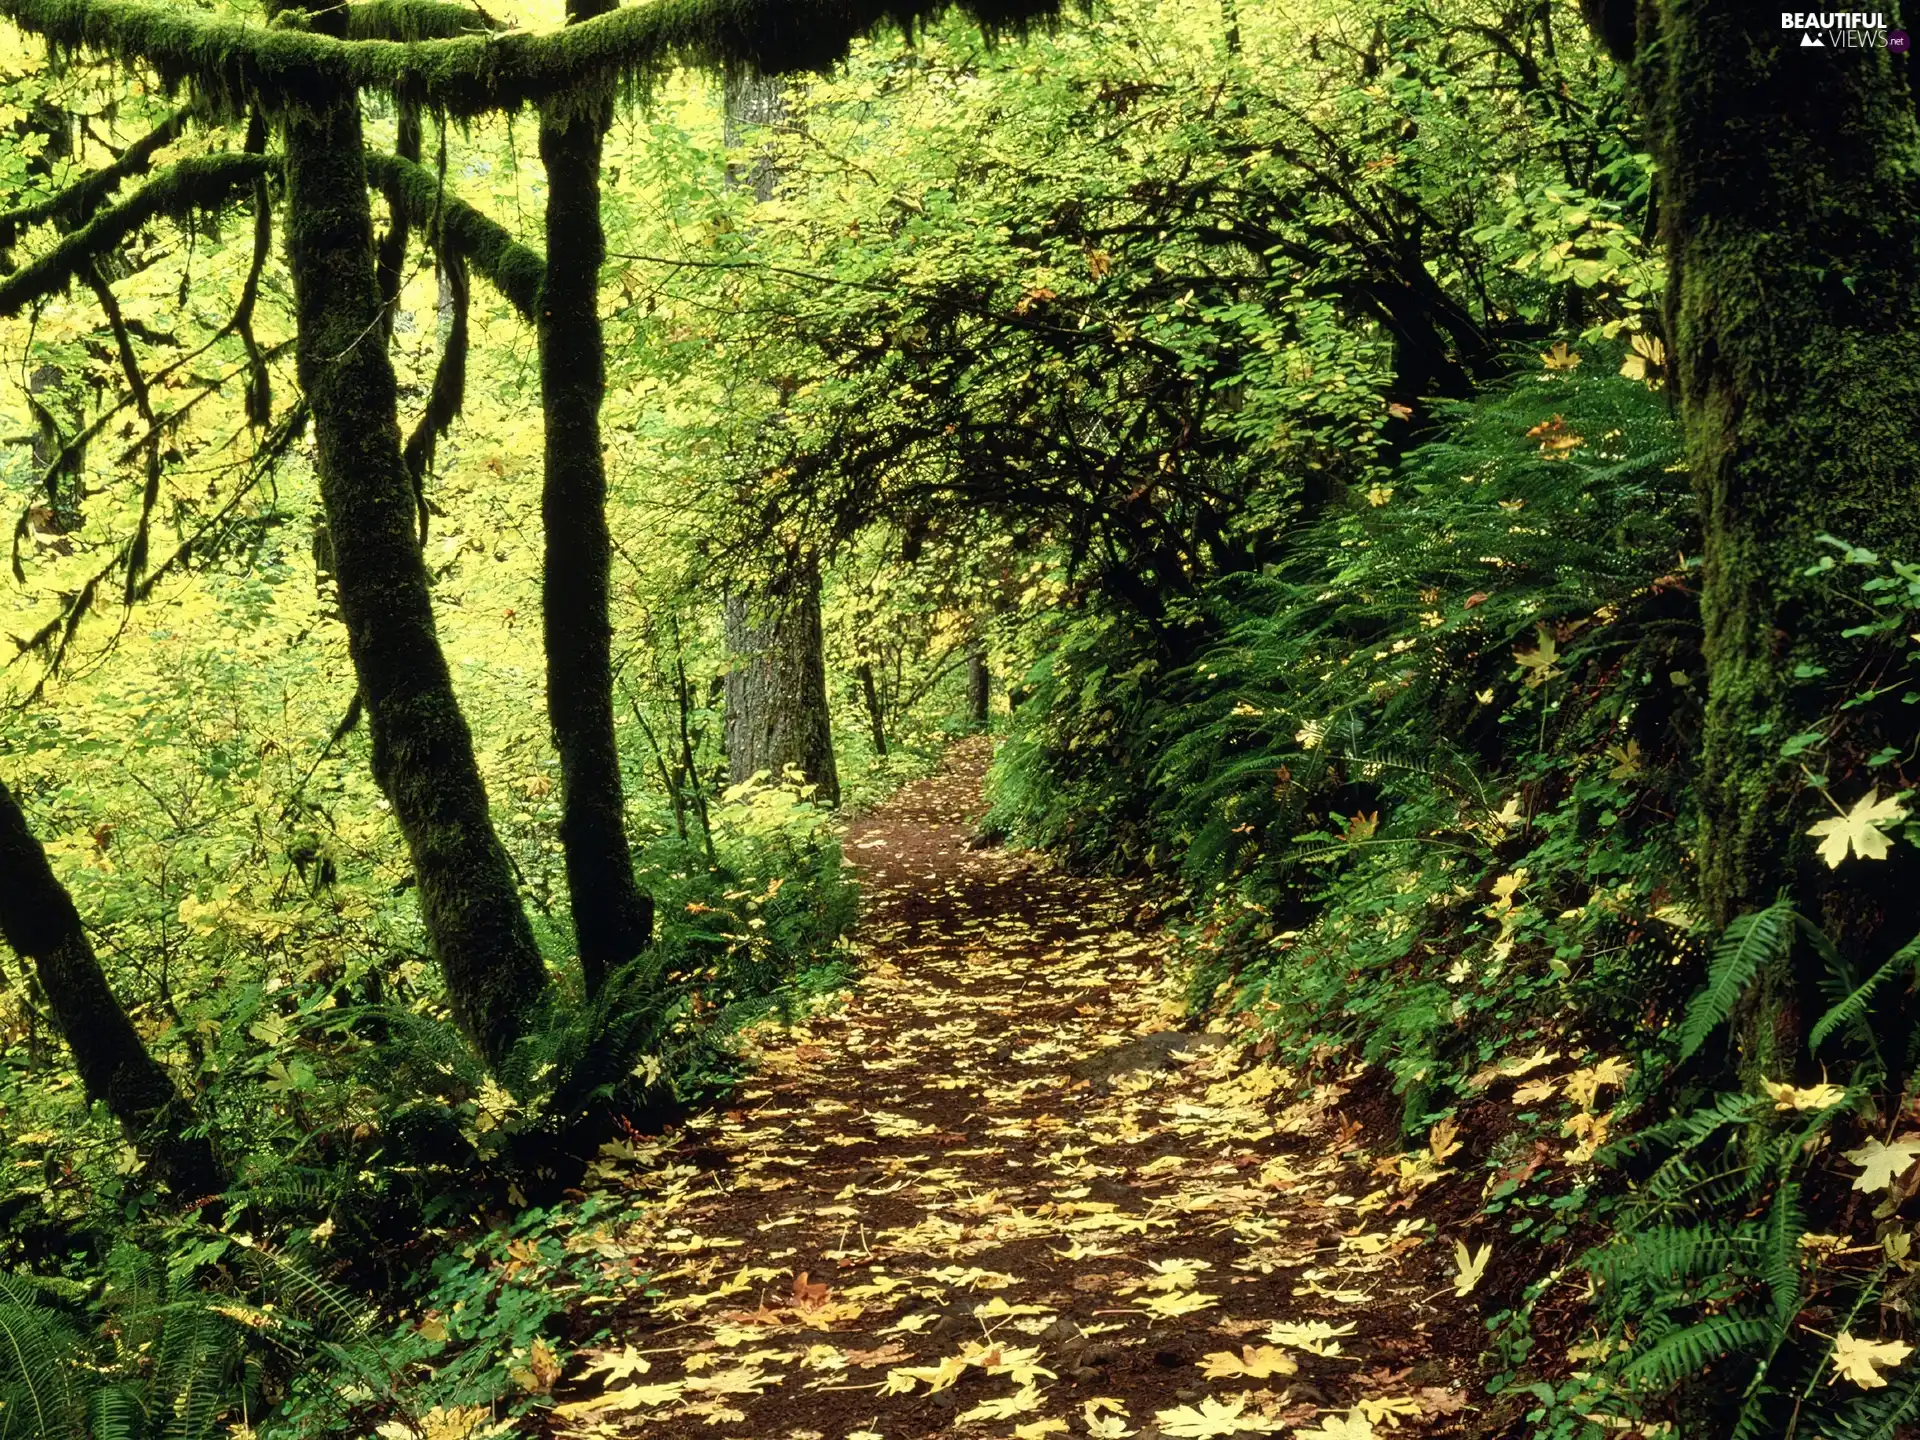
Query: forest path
x=993, y=1196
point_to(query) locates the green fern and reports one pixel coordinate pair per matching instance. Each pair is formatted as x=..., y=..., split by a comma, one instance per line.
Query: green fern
x=1687, y=1351
x=1749, y=944
x=37, y=1395
x=1851, y=1011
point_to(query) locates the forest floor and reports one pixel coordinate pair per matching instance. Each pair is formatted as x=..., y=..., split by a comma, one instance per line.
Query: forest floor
x=996, y=1193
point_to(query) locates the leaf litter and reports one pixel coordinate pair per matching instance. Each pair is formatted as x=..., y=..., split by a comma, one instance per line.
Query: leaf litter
x=996, y=1192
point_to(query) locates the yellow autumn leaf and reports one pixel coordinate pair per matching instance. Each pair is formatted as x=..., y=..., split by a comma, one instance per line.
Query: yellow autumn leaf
x=1213, y=1418
x=1532, y=1092
x=1351, y=1426
x=1862, y=1360
x=1812, y=1097
x=1254, y=1362
x=1003, y=1407
x=1176, y=1303
x=1469, y=1268
x=1441, y=1141
x=1106, y=1418
x=1881, y=1164
x=1315, y=1337
x=1538, y=663
x=1858, y=829
x=628, y=1397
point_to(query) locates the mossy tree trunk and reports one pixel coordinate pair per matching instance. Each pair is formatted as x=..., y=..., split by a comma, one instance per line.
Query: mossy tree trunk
x=423, y=754
x=39, y=921
x=1792, y=226
x=613, y=919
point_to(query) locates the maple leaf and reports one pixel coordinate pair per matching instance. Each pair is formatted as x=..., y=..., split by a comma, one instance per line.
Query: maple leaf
x=1440, y=1140
x=1532, y=1092
x=1626, y=760
x=463, y=1422
x=1468, y=1268
x=1212, y=1418
x=1881, y=1165
x=1351, y=1426
x=1858, y=829
x=1514, y=1069
x=1560, y=358
x=621, y=1364
x=1856, y=1359
x=1177, y=1303
x=1812, y=1097
x=1004, y=1407
x=628, y=1397
x=1647, y=361
x=1255, y=1362
x=541, y=1370
x=1315, y=1337
x=1106, y=1418
x=1175, y=1274
x=1584, y=1085
x=1034, y=1429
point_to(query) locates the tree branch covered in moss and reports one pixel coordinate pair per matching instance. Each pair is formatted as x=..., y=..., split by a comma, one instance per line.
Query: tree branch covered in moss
x=205, y=182
x=233, y=64
x=75, y=204
x=409, y=20
x=515, y=270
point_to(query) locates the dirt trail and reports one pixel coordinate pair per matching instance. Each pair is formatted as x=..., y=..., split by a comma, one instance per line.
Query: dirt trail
x=955, y=1206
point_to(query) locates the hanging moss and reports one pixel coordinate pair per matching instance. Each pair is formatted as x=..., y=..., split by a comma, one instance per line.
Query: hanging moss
x=204, y=183
x=76, y=204
x=232, y=64
x=449, y=391
x=513, y=269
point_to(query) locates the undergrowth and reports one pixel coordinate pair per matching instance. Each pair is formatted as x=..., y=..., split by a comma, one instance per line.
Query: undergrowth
x=1427, y=789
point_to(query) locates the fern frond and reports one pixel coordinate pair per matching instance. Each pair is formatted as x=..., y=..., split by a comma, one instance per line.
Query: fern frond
x=1754, y=940
x=1851, y=1011
x=38, y=1390
x=1689, y=1350
x=115, y=1412
x=1880, y=1414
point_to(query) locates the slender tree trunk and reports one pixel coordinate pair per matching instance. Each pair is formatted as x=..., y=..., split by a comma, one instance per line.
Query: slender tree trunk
x=423, y=754
x=979, y=685
x=39, y=921
x=1791, y=220
x=776, y=693
x=612, y=918
x=876, y=717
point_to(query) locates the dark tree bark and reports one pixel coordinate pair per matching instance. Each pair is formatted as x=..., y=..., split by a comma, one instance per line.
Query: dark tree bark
x=39, y=921
x=423, y=754
x=1789, y=212
x=613, y=919
x=776, y=691
x=979, y=685
x=876, y=714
